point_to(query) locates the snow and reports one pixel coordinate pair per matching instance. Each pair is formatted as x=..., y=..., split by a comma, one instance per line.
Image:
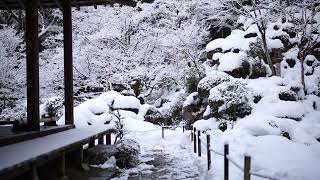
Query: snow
x=229, y=61
x=108, y=164
x=190, y=99
x=97, y=110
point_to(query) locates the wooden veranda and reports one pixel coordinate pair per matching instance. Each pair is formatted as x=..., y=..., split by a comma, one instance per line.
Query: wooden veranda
x=32, y=49
x=33, y=129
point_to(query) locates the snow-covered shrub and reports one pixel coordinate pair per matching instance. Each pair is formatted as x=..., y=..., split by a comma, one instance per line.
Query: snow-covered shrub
x=128, y=153
x=210, y=81
x=53, y=107
x=288, y=96
x=17, y=113
x=192, y=79
x=230, y=100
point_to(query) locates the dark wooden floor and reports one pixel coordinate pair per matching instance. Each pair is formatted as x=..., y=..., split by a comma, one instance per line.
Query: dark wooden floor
x=7, y=136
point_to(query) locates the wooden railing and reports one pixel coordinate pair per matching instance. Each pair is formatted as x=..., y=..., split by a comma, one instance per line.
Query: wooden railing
x=246, y=168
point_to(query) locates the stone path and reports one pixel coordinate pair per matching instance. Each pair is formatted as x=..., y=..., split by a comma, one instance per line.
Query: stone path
x=164, y=159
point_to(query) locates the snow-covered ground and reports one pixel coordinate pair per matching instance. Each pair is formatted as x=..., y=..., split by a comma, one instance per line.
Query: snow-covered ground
x=257, y=135
x=160, y=158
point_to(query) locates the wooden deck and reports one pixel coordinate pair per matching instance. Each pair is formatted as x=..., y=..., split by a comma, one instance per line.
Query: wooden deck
x=7, y=136
x=19, y=158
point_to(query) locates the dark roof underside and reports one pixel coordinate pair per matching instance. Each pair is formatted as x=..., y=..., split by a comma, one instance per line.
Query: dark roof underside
x=20, y=4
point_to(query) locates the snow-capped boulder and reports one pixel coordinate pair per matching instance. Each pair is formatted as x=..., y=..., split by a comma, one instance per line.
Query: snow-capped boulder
x=229, y=100
x=192, y=109
x=154, y=116
x=99, y=154
x=128, y=153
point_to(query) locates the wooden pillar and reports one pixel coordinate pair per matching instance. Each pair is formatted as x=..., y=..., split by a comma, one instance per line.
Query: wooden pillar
x=101, y=140
x=68, y=65
x=247, y=164
x=199, y=143
x=226, y=162
x=108, y=139
x=208, y=152
x=32, y=51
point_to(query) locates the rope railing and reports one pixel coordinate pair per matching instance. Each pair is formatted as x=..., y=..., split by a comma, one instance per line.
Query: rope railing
x=196, y=136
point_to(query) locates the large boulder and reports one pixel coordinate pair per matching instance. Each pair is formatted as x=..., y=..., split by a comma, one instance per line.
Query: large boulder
x=99, y=154
x=229, y=100
x=192, y=109
x=154, y=116
x=243, y=71
x=127, y=154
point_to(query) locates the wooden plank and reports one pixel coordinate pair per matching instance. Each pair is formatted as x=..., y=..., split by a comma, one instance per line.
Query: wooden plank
x=23, y=136
x=22, y=167
x=32, y=49
x=68, y=63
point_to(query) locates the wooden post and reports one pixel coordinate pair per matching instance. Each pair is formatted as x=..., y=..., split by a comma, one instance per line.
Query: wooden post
x=68, y=65
x=62, y=166
x=191, y=132
x=32, y=51
x=108, y=139
x=162, y=132
x=194, y=140
x=182, y=129
x=100, y=140
x=91, y=143
x=34, y=173
x=226, y=162
x=199, y=144
x=208, y=151
x=247, y=164
x=76, y=157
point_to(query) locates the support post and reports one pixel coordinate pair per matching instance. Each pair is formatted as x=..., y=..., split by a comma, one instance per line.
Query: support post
x=247, y=164
x=199, y=143
x=183, y=129
x=108, y=139
x=191, y=132
x=32, y=51
x=100, y=140
x=162, y=132
x=208, y=152
x=91, y=143
x=68, y=65
x=62, y=166
x=34, y=173
x=226, y=162
x=195, y=140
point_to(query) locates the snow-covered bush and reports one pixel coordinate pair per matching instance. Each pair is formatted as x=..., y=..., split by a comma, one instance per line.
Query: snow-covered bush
x=17, y=113
x=128, y=153
x=230, y=100
x=53, y=107
x=210, y=81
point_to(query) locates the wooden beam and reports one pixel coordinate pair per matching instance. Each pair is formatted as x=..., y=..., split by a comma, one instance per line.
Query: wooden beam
x=32, y=49
x=68, y=63
x=16, y=4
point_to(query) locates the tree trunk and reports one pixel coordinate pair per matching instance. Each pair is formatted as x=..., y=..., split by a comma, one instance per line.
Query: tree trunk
x=301, y=58
x=266, y=51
